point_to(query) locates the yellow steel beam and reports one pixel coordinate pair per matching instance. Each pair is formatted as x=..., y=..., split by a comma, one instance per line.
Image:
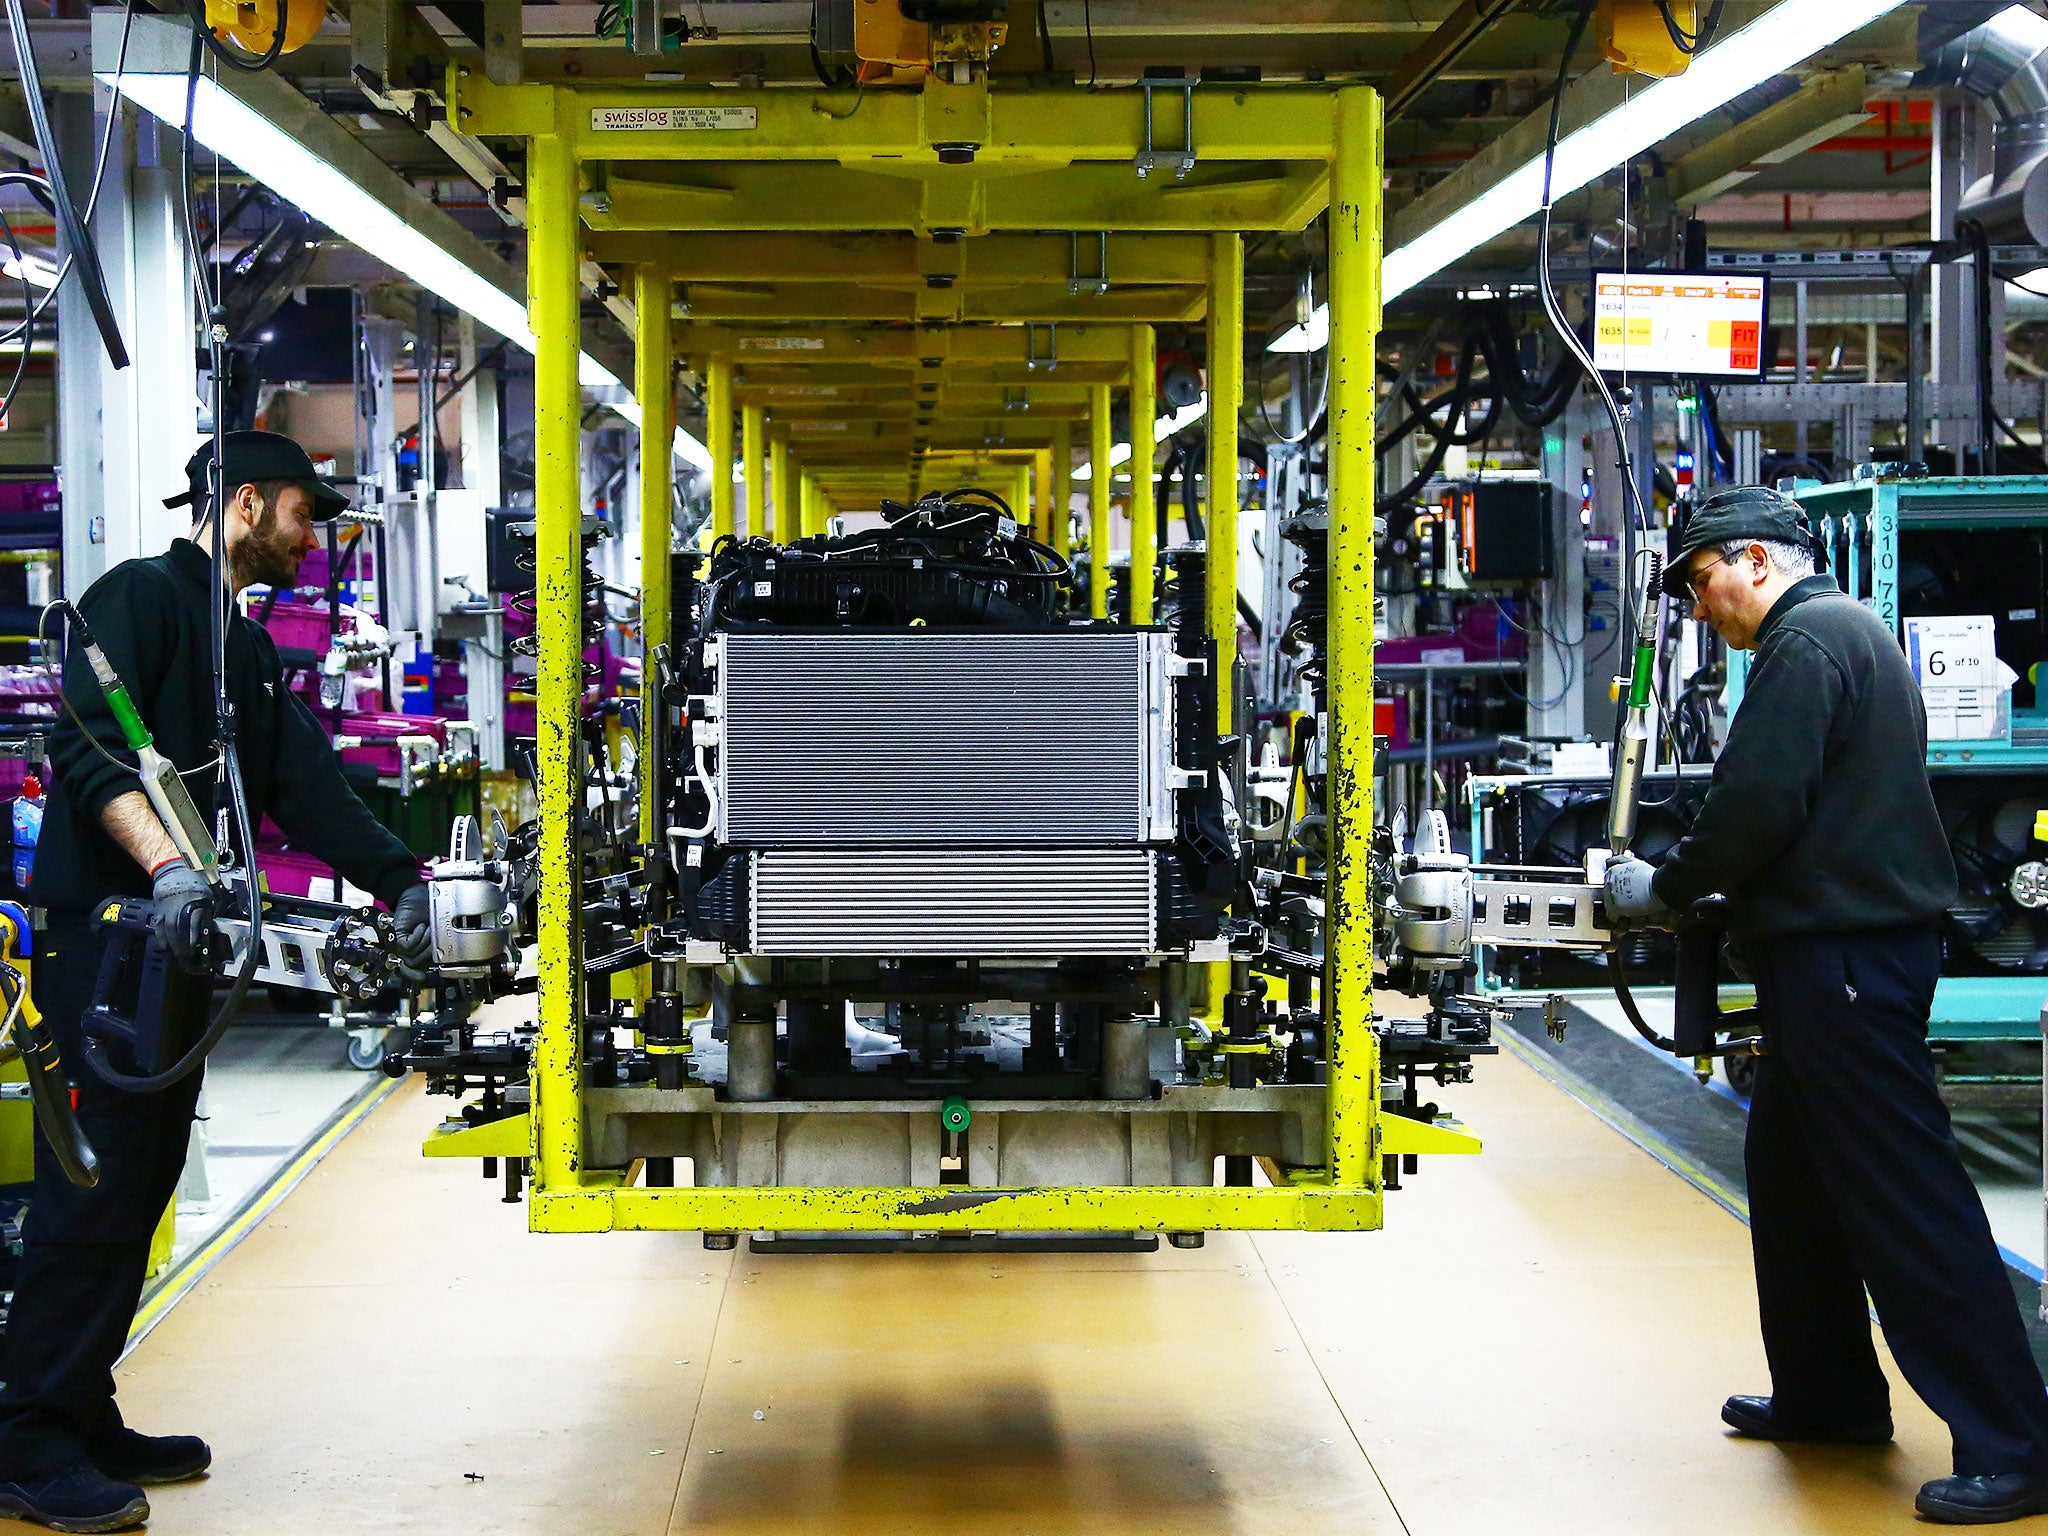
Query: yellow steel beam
x=1098, y=504
x=887, y=389
x=880, y=195
x=1045, y=128
x=754, y=467
x=815, y=303
x=899, y=260
x=1354, y=324
x=764, y=374
x=835, y=436
x=554, y=297
x=1226, y=395
x=1303, y=1206
x=1060, y=531
x=783, y=477
x=718, y=405
x=1401, y=1136
x=1043, y=491
x=654, y=385
x=883, y=346
x=1144, y=517
x=510, y=1137
x=899, y=405
x=808, y=520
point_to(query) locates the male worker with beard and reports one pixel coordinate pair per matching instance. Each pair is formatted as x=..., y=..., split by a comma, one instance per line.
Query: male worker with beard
x=1821, y=831
x=66, y=1459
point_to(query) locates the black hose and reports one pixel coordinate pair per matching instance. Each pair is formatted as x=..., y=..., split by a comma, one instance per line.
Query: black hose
x=231, y=1009
x=76, y=237
x=47, y=1093
x=1618, y=967
x=219, y=603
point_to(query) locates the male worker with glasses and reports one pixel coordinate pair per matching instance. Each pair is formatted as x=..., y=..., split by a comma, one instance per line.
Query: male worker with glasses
x=1821, y=831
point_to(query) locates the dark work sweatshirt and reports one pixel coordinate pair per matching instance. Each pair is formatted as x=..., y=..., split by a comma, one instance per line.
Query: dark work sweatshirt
x=151, y=618
x=1819, y=818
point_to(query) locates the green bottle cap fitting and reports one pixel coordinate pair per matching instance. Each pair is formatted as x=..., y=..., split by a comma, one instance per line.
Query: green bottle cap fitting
x=955, y=1116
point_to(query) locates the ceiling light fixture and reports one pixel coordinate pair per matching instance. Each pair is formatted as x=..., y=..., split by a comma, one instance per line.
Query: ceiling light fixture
x=1162, y=429
x=1787, y=34
x=239, y=133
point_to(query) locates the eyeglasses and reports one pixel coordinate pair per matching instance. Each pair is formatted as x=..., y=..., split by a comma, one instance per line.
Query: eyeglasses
x=1695, y=579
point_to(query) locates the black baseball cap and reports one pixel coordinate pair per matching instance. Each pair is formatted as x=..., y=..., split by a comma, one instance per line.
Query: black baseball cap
x=249, y=457
x=1739, y=512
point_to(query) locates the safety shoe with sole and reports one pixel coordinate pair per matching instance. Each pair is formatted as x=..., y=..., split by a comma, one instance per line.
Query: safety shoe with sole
x=1751, y=1416
x=75, y=1497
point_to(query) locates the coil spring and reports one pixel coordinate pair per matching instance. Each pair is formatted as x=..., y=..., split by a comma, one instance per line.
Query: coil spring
x=525, y=604
x=1307, y=634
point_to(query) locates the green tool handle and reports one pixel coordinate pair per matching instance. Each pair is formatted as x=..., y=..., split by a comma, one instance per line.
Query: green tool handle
x=126, y=715
x=1641, y=674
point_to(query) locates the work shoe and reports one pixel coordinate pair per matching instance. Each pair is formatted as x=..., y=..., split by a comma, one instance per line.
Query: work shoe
x=76, y=1496
x=1751, y=1416
x=1983, y=1500
x=129, y=1457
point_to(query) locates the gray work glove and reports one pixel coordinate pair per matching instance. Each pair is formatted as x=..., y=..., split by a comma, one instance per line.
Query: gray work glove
x=1631, y=898
x=182, y=905
x=413, y=925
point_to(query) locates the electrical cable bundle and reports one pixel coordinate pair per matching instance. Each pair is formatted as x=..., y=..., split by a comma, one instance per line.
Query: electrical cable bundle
x=956, y=557
x=1487, y=336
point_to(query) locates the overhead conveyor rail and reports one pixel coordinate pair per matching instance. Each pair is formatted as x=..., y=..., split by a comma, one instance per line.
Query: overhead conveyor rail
x=988, y=220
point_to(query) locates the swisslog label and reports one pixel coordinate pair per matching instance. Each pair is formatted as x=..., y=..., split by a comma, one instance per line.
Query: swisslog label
x=669, y=119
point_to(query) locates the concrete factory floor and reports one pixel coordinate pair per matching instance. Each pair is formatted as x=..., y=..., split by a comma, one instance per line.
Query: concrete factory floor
x=1539, y=1341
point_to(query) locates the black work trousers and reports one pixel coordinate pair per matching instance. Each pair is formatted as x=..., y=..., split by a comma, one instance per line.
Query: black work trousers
x=1855, y=1183
x=85, y=1251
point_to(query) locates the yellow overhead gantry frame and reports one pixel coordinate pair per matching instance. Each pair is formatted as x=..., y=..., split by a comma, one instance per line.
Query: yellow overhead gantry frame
x=952, y=161
x=871, y=409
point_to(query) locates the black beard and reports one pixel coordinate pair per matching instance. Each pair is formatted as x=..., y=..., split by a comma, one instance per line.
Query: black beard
x=265, y=566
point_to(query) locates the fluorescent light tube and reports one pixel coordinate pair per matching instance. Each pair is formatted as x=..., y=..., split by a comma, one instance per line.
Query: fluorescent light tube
x=1312, y=335
x=258, y=146
x=1791, y=31
x=1785, y=35
x=1162, y=429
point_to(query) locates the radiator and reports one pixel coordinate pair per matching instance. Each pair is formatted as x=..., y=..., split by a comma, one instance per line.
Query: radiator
x=921, y=739
x=954, y=902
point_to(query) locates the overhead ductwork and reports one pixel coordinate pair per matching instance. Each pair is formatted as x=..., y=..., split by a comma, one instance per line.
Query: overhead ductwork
x=2005, y=62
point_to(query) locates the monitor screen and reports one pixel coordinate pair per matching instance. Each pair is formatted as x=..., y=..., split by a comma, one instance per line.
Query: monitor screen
x=1680, y=323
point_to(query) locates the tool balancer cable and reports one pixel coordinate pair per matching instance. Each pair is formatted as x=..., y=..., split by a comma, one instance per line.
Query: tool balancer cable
x=207, y=291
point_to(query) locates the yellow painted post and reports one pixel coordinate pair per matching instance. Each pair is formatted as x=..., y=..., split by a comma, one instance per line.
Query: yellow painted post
x=782, y=477
x=1144, y=516
x=718, y=414
x=1098, y=502
x=1354, y=324
x=1040, y=521
x=1062, y=532
x=1020, y=493
x=553, y=301
x=1226, y=394
x=754, y=467
x=654, y=384
x=807, y=503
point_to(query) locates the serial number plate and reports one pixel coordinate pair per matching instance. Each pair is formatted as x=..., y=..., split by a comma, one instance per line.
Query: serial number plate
x=668, y=119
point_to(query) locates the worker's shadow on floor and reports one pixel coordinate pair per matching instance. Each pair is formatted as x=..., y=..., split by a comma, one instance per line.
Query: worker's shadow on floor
x=1831, y=1480
x=901, y=1460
